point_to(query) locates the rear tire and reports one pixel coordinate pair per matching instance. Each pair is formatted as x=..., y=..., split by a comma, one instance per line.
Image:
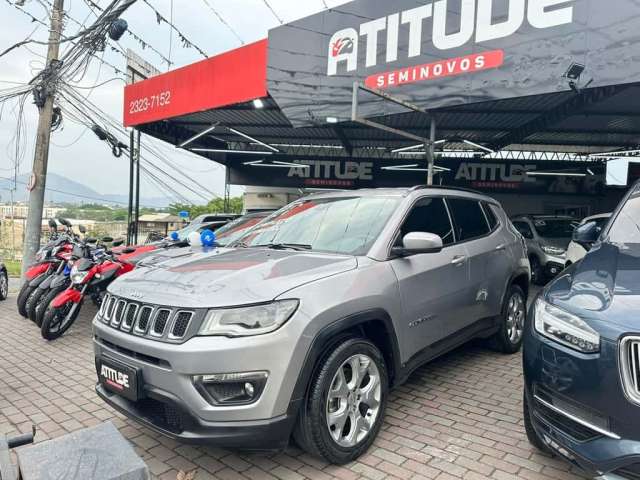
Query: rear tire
x=23, y=295
x=512, y=321
x=57, y=320
x=532, y=435
x=342, y=413
x=4, y=285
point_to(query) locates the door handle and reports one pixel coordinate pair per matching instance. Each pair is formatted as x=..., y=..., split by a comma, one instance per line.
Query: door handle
x=502, y=246
x=458, y=260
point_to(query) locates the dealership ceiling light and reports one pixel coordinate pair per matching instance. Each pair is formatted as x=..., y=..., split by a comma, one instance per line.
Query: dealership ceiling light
x=413, y=147
x=276, y=164
x=258, y=103
x=248, y=137
x=332, y=119
x=477, y=145
x=305, y=145
x=222, y=150
x=556, y=174
x=198, y=135
x=414, y=168
x=622, y=153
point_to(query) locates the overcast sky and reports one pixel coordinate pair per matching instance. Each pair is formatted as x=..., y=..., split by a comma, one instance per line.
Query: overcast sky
x=75, y=152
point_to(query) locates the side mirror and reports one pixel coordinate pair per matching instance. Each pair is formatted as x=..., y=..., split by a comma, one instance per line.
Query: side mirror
x=415, y=243
x=53, y=224
x=64, y=221
x=587, y=234
x=82, y=229
x=107, y=239
x=90, y=240
x=117, y=243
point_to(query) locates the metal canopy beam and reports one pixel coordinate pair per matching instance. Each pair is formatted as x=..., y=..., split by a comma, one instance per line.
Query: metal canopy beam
x=574, y=105
x=343, y=139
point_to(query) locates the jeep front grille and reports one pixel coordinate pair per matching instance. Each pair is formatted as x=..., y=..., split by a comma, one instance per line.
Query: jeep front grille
x=630, y=367
x=154, y=322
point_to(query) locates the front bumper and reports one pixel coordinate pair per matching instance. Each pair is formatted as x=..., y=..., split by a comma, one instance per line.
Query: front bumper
x=170, y=402
x=167, y=414
x=578, y=407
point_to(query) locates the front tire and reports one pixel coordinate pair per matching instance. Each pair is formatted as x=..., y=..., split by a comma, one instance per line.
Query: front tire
x=344, y=408
x=32, y=302
x=512, y=320
x=4, y=285
x=44, y=302
x=57, y=320
x=23, y=295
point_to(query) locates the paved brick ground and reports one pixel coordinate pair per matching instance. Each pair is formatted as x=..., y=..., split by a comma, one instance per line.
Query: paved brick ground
x=459, y=417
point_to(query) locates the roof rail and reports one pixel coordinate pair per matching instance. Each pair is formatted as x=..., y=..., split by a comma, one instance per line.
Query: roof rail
x=447, y=187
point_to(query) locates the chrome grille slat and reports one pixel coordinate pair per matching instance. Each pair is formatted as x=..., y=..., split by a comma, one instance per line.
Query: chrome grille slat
x=129, y=317
x=142, y=323
x=109, y=310
x=160, y=321
x=181, y=324
x=629, y=351
x=118, y=313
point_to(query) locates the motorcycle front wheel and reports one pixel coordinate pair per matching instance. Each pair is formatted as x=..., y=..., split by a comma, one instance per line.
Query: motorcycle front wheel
x=44, y=302
x=57, y=320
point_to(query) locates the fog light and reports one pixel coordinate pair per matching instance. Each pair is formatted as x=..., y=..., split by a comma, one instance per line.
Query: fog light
x=231, y=388
x=249, y=390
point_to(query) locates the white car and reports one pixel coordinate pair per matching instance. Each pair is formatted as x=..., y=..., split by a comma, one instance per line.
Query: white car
x=576, y=251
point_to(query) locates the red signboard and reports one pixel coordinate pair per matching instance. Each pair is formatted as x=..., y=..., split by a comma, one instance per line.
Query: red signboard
x=232, y=77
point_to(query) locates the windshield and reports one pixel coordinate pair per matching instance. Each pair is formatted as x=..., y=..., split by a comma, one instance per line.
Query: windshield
x=234, y=230
x=346, y=225
x=626, y=227
x=554, y=228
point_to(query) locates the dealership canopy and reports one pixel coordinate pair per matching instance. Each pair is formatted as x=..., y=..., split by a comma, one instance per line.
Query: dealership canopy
x=518, y=89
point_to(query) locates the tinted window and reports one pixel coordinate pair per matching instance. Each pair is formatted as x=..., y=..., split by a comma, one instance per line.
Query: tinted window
x=523, y=229
x=626, y=226
x=468, y=217
x=429, y=215
x=554, y=228
x=491, y=216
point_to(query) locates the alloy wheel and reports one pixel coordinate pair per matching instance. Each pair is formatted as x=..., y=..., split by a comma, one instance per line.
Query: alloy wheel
x=515, y=318
x=353, y=402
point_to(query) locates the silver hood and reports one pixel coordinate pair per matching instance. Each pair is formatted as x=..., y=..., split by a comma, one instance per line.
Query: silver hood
x=207, y=278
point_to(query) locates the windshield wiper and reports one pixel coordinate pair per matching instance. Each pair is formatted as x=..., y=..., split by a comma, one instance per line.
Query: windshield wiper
x=286, y=246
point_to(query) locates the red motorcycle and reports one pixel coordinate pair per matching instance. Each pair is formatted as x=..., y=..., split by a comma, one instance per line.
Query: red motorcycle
x=89, y=277
x=48, y=260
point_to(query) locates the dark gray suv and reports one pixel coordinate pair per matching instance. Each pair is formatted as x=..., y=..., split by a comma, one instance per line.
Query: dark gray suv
x=304, y=324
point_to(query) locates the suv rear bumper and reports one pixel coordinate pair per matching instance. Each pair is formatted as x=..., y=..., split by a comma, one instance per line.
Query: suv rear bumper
x=165, y=414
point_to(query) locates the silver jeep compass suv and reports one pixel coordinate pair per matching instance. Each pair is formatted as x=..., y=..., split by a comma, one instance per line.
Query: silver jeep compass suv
x=304, y=325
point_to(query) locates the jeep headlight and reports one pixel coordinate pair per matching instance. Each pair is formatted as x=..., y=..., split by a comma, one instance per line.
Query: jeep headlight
x=77, y=276
x=250, y=320
x=553, y=250
x=565, y=328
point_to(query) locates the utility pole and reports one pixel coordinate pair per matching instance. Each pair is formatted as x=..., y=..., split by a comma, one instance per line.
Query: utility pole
x=38, y=180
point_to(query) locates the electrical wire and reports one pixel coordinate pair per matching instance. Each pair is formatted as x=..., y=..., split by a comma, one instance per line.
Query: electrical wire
x=223, y=21
x=185, y=41
x=266, y=2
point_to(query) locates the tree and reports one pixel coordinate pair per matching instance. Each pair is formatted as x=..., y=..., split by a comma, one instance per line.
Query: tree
x=236, y=205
